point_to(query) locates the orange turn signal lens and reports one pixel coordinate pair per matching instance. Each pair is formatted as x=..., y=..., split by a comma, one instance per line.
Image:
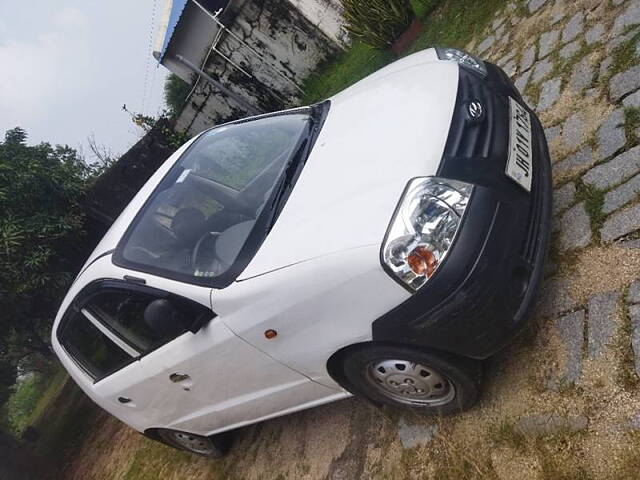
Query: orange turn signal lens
x=422, y=261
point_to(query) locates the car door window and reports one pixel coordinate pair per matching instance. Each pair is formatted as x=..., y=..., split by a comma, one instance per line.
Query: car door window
x=95, y=353
x=106, y=329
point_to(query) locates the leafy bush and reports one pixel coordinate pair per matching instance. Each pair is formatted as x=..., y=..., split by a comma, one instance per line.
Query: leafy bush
x=175, y=93
x=378, y=23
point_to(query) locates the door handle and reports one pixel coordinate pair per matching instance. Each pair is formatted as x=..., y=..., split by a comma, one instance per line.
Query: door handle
x=179, y=377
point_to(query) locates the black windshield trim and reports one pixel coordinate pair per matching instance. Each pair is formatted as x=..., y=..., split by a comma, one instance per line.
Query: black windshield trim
x=318, y=114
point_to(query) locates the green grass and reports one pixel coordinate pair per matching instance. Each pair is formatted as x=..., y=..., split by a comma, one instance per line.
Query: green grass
x=593, y=199
x=453, y=23
x=631, y=125
x=31, y=397
x=624, y=56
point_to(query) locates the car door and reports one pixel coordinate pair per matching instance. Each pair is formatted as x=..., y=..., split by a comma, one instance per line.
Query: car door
x=202, y=381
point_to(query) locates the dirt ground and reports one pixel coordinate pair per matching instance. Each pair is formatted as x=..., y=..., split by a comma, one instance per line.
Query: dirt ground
x=534, y=420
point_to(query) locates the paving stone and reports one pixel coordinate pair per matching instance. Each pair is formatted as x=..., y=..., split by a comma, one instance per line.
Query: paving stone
x=549, y=94
x=573, y=28
x=624, y=82
x=570, y=329
x=534, y=5
x=601, y=322
x=528, y=57
x=548, y=42
x=552, y=133
x=631, y=16
x=634, y=315
x=620, y=196
x=594, y=34
x=510, y=68
x=581, y=76
x=522, y=81
x=541, y=69
x=563, y=197
x=575, y=228
x=412, y=436
x=632, y=100
x=569, y=50
x=620, y=224
x=505, y=59
x=558, y=12
x=634, y=292
x=578, y=162
x=515, y=20
x=573, y=131
x=497, y=23
x=611, y=134
x=499, y=33
x=631, y=244
x=551, y=424
x=556, y=298
x=486, y=44
x=615, y=171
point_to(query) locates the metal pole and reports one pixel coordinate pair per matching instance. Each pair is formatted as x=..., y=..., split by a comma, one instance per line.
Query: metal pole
x=250, y=108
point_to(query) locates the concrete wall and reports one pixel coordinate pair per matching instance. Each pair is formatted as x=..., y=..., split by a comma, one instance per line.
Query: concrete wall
x=284, y=48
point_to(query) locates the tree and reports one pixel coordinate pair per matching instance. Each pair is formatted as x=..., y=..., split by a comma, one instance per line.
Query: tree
x=175, y=94
x=41, y=230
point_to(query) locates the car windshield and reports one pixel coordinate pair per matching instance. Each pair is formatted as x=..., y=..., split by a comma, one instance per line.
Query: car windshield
x=197, y=221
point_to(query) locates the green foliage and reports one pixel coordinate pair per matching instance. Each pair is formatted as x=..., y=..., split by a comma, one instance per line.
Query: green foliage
x=175, y=94
x=23, y=402
x=40, y=232
x=174, y=138
x=377, y=22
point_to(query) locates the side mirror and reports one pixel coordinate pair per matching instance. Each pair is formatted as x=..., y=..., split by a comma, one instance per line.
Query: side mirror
x=164, y=319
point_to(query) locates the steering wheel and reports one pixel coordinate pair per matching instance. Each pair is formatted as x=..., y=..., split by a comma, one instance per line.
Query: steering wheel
x=207, y=240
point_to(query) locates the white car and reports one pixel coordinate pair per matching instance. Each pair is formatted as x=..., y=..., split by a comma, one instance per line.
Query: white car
x=380, y=243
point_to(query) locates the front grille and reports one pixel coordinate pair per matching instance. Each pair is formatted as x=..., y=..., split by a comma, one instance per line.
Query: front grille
x=535, y=214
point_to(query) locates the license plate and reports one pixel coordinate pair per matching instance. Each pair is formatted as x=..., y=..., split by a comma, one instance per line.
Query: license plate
x=519, y=165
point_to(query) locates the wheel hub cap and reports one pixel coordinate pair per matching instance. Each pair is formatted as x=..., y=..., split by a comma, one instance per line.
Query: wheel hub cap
x=410, y=383
x=193, y=443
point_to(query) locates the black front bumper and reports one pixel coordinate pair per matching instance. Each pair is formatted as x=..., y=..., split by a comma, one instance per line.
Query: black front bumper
x=481, y=295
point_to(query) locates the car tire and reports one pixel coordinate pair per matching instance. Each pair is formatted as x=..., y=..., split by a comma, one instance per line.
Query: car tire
x=213, y=447
x=409, y=377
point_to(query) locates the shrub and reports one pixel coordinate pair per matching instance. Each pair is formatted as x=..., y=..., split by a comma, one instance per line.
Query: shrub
x=377, y=22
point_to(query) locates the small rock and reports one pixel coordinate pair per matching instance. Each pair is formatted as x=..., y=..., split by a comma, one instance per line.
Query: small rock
x=522, y=81
x=634, y=423
x=573, y=28
x=615, y=171
x=620, y=224
x=534, y=5
x=556, y=297
x=611, y=134
x=634, y=292
x=624, y=82
x=632, y=101
x=594, y=34
x=541, y=69
x=573, y=131
x=622, y=195
x=602, y=310
x=634, y=315
x=528, y=57
x=549, y=94
x=576, y=163
x=412, y=436
x=486, y=44
x=569, y=50
x=575, y=228
x=548, y=42
x=581, y=76
x=563, y=197
x=551, y=424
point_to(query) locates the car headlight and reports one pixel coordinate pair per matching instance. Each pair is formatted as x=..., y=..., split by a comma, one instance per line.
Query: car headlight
x=464, y=59
x=423, y=228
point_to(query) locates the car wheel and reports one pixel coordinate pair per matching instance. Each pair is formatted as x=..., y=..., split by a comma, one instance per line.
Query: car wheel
x=407, y=377
x=214, y=447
